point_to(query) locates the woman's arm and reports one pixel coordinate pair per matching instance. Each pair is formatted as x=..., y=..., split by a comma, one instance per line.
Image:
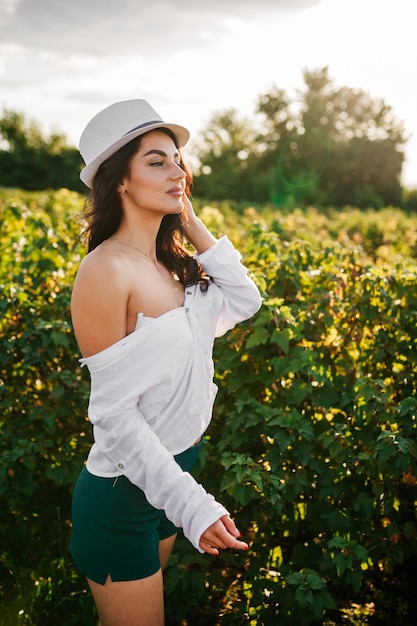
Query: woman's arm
x=124, y=437
x=99, y=301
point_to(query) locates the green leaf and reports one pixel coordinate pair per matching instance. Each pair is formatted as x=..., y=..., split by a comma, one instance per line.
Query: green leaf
x=259, y=336
x=314, y=582
x=282, y=338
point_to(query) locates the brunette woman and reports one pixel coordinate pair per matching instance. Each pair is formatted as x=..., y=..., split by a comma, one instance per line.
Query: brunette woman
x=146, y=312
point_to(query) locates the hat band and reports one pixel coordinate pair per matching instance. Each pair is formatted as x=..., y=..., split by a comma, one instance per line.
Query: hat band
x=143, y=126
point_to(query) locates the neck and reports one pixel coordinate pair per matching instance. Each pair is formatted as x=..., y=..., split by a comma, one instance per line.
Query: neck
x=139, y=231
x=151, y=257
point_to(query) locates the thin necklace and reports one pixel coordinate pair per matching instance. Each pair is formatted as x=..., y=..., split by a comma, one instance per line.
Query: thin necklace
x=134, y=248
x=144, y=254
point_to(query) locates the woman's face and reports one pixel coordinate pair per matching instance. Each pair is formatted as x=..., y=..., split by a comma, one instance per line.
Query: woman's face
x=156, y=181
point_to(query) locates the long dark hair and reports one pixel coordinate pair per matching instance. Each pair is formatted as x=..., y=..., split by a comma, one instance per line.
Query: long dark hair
x=103, y=214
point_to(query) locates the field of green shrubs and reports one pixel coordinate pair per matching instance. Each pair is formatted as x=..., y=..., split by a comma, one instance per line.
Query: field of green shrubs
x=313, y=442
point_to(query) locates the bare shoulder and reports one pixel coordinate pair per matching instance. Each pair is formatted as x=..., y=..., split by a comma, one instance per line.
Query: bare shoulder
x=102, y=256
x=99, y=300
x=100, y=275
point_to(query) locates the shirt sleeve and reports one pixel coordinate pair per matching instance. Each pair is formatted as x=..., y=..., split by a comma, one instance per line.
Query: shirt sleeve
x=237, y=297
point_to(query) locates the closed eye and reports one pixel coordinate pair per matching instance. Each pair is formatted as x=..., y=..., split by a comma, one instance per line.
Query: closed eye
x=162, y=163
x=163, y=154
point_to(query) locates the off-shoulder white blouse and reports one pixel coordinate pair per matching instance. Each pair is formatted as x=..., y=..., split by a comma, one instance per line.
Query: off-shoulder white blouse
x=152, y=392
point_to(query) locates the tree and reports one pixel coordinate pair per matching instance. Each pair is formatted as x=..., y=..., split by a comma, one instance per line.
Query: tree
x=326, y=146
x=224, y=153
x=30, y=161
x=364, y=143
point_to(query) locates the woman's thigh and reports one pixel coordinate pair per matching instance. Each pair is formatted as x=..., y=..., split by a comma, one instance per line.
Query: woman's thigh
x=165, y=549
x=130, y=603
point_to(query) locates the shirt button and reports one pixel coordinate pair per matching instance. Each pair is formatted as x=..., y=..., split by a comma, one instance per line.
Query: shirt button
x=189, y=293
x=120, y=465
x=187, y=309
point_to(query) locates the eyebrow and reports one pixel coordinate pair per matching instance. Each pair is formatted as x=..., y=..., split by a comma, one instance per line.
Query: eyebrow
x=161, y=153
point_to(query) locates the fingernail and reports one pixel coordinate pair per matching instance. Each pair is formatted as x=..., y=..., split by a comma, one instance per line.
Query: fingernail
x=246, y=548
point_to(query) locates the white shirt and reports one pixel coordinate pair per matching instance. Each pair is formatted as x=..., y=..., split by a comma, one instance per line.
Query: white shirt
x=152, y=392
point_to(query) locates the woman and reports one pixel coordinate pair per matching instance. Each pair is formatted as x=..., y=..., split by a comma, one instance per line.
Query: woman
x=145, y=314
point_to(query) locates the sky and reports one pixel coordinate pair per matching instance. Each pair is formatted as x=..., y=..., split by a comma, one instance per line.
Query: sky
x=62, y=61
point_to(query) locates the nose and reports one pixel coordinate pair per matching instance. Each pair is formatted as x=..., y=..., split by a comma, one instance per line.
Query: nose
x=177, y=172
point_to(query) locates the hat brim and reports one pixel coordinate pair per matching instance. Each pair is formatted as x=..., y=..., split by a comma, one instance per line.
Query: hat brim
x=89, y=171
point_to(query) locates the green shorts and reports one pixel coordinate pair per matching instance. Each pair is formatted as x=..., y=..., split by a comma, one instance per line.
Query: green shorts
x=114, y=528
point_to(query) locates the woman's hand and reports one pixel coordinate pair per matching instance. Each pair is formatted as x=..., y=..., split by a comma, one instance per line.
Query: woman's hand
x=188, y=216
x=194, y=229
x=222, y=534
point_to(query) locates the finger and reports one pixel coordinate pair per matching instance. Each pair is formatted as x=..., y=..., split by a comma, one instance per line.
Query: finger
x=231, y=526
x=188, y=207
x=233, y=543
x=215, y=539
x=240, y=545
x=214, y=544
x=209, y=549
x=187, y=202
x=224, y=540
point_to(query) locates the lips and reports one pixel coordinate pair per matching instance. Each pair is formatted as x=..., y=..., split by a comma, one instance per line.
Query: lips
x=176, y=191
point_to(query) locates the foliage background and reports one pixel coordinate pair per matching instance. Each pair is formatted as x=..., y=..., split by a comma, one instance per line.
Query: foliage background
x=326, y=145
x=313, y=442
x=30, y=161
x=321, y=144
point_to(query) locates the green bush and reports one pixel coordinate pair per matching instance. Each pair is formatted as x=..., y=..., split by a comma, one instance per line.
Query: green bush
x=44, y=434
x=313, y=441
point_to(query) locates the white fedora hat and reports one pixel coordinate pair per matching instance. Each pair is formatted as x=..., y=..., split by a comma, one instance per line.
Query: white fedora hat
x=114, y=127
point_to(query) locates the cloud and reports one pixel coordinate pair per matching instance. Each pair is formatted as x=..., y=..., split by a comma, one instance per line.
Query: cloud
x=61, y=62
x=120, y=27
